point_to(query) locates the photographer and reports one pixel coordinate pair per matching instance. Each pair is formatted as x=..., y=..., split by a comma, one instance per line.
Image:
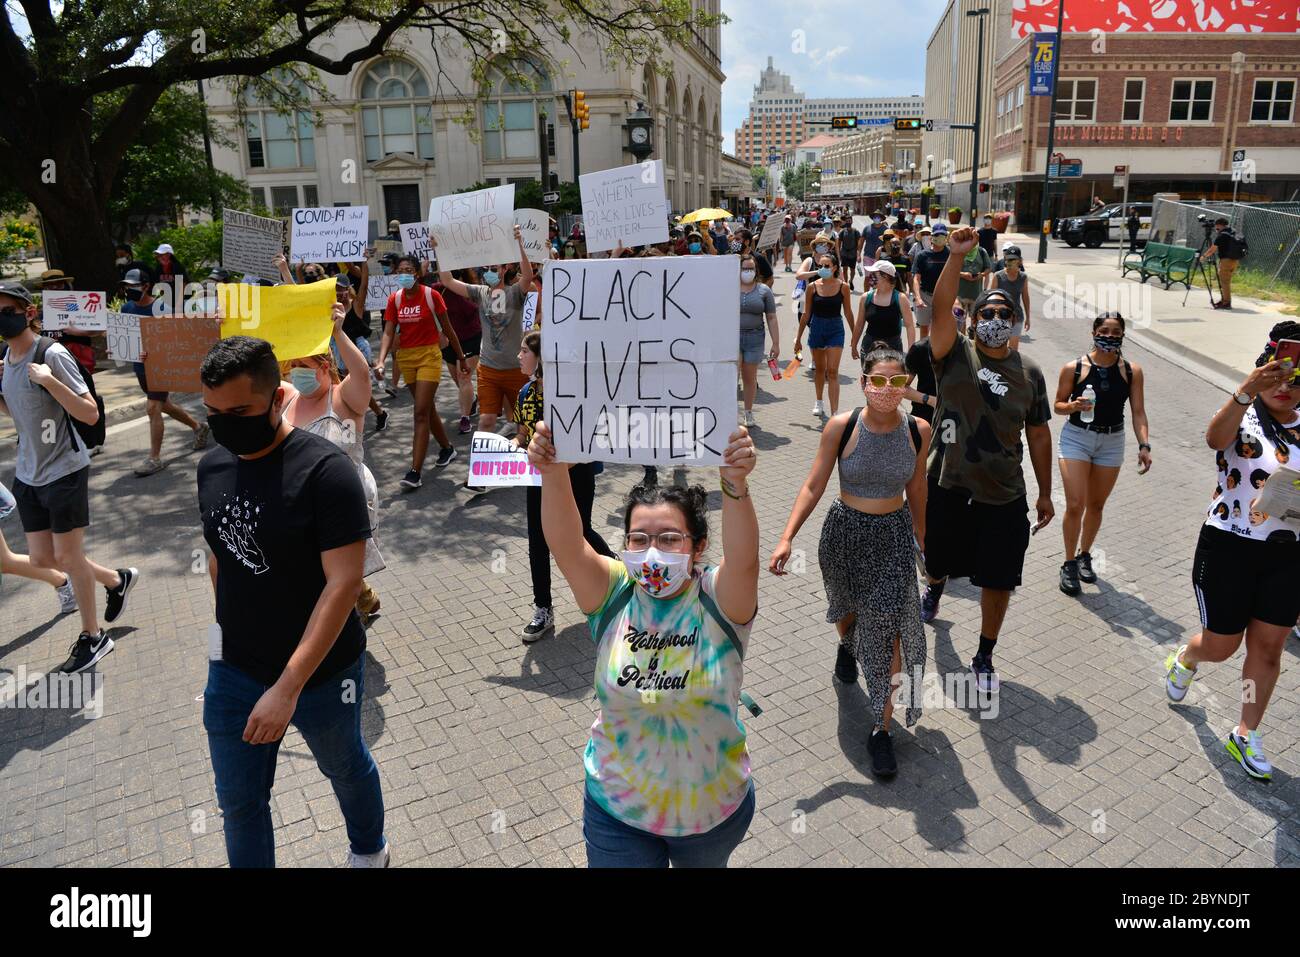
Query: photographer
x=1228, y=248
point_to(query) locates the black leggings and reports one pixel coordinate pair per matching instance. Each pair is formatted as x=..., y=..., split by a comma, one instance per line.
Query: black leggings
x=583, y=479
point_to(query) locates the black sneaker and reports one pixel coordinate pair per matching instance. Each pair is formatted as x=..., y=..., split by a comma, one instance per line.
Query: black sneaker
x=473, y=409
x=542, y=624
x=381, y=421
x=445, y=455
x=986, y=677
x=846, y=669
x=412, y=479
x=117, y=596
x=1086, y=574
x=85, y=651
x=881, y=748
x=1070, y=577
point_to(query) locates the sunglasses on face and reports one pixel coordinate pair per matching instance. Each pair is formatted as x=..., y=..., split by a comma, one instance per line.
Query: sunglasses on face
x=996, y=312
x=894, y=381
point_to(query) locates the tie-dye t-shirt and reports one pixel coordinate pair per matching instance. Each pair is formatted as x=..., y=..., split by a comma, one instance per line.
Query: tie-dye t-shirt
x=667, y=752
x=1244, y=467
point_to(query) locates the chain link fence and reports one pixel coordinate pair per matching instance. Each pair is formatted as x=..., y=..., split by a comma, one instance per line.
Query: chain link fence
x=1271, y=229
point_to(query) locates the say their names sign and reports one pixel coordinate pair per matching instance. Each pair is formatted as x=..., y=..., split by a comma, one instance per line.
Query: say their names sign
x=249, y=244
x=640, y=358
x=625, y=204
x=476, y=228
x=329, y=234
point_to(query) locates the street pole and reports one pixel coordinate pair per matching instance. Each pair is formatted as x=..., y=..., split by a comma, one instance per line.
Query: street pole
x=979, y=15
x=207, y=149
x=1051, y=134
x=573, y=125
x=1125, y=208
x=545, y=154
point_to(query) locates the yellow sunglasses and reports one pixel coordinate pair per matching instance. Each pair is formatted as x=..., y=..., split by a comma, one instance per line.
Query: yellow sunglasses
x=896, y=381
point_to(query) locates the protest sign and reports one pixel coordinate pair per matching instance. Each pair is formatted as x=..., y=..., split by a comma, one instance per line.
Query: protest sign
x=250, y=243
x=626, y=203
x=534, y=229
x=415, y=240
x=384, y=247
x=124, y=336
x=475, y=228
x=530, y=311
x=379, y=288
x=640, y=358
x=771, y=234
x=174, y=349
x=296, y=320
x=329, y=234
x=74, y=310
x=494, y=460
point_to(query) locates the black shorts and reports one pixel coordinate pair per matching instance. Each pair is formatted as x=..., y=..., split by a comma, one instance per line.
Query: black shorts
x=1237, y=579
x=61, y=506
x=967, y=539
x=144, y=385
x=468, y=346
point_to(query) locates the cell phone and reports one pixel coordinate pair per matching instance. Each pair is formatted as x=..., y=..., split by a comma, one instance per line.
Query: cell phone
x=1289, y=349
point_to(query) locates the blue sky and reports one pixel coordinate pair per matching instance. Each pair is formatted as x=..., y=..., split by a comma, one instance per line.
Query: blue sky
x=873, y=48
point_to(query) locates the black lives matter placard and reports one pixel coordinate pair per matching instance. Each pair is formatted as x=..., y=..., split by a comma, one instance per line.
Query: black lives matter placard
x=640, y=358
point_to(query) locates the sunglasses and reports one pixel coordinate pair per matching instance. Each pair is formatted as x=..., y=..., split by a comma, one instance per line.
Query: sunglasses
x=895, y=381
x=996, y=312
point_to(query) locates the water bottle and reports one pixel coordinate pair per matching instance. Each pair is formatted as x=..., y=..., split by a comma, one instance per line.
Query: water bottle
x=776, y=370
x=1089, y=396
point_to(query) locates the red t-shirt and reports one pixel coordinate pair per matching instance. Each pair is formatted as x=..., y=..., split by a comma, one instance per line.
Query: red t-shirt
x=417, y=323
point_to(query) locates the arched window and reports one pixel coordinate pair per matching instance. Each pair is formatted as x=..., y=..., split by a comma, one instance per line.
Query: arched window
x=279, y=139
x=401, y=119
x=670, y=128
x=510, y=113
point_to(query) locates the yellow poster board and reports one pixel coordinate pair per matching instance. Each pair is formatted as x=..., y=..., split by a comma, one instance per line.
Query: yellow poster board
x=295, y=319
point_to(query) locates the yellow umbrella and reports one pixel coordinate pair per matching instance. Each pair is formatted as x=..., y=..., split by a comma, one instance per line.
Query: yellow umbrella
x=706, y=214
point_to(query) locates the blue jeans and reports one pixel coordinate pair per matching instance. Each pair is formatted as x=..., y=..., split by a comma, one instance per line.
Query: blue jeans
x=611, y=843
x=329, y=718
x=361, y=343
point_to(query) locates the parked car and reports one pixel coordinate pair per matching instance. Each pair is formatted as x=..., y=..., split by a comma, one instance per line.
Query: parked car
x=1108, y=224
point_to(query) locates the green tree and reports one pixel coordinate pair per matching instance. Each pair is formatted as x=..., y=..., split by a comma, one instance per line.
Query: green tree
x=799, y=179
x=61, y=56
x=758, y=177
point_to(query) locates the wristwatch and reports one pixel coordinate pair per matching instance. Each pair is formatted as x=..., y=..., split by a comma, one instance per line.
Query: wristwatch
x=1242, y=398
x=1144, y=445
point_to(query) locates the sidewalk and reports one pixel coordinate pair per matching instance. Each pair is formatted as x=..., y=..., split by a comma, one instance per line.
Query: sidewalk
x=1222, y=344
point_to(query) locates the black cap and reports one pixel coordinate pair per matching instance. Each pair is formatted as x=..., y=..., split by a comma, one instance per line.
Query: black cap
x=219, y=275
x=15, y=290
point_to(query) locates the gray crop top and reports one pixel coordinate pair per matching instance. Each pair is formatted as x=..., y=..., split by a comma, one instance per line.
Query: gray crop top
x=880, y=465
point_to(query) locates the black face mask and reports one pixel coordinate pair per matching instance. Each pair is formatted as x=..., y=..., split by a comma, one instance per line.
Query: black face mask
x=243, y=434
x=12, y=323
x=133, y=295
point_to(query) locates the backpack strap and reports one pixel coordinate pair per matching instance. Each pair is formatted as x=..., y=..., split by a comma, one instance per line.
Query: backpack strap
x=1128, y=370
x=1078, y=371
x=714, y=612
x=617, y=602
x=915, y=430
x=848, y=431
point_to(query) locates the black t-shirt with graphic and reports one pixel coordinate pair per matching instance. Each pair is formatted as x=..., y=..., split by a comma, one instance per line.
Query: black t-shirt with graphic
x=267, y=522
x=919, y=359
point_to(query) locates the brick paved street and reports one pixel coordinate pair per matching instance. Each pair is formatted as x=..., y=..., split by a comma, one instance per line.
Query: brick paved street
x=479, y=740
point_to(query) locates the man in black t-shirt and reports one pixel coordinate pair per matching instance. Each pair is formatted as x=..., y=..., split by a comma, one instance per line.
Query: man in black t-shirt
x=988, y=238
x=929, y=264
x=1228, y=248
x=285, y=520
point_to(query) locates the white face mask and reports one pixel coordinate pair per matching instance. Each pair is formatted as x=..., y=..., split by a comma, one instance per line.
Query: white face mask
x=662, y=574
x=747, y=275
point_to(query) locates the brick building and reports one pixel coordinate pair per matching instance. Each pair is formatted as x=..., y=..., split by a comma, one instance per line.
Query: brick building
x=871, y=164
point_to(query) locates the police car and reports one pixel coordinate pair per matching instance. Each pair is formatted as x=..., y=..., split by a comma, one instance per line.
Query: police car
x=1108, y=224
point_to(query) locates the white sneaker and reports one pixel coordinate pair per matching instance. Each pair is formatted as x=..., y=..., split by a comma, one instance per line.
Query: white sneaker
x=1249, y=752
x=817, y=408
x=149, y=467
x=381, y=858
x=747, y=418
x=67, y=597
x=542, y=623
x=1178, y=678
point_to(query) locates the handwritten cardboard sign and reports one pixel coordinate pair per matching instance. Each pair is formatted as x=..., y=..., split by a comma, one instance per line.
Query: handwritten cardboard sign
x=329, y=234
x=124, y=336
x=74, y=310
x=475, y=228
x=640, y=358
x=534, y=229
x=494, y=460
x=249, y=243
x=415, y=240
x=530, y=311
x=771, y=234
x=174, y=348
x=626, y=203
x=379, y=288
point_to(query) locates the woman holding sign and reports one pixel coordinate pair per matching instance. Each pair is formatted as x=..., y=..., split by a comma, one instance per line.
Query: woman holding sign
x=528, y=412
x=1246, y=569
x=667, y=766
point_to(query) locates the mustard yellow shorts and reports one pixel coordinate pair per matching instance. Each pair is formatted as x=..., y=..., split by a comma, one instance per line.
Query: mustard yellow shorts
x=420, y=363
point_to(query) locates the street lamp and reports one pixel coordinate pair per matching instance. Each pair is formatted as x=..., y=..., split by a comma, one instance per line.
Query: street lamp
x=979, y=14
x=911, y=177
x=929, y=169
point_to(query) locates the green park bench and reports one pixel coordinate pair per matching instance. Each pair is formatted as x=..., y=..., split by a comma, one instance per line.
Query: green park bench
x=1172, y=264
x=1145, y=259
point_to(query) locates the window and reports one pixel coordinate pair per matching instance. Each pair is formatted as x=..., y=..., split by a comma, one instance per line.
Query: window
x=1020, y=106
x=1076, y=101
x=401, y=119
x=1274, y=101
x=1191, y=101
x=1134, y=93
x=279, y=139
x=309, y=196
x=283, y=199
x=510, y=114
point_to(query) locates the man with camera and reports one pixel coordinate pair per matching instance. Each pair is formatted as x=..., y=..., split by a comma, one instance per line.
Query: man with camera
x=1229, y=249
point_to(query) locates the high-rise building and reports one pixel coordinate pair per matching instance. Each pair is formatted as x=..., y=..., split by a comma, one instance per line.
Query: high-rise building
x=781, y=117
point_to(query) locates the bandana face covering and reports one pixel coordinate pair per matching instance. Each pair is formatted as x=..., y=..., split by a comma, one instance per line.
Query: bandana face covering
x=994, y=333
x=884, y=398
x=662, y=574
x=1108, y=343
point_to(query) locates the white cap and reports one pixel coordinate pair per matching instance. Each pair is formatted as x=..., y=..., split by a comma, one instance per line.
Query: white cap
x=165, y=248
x=885, y=266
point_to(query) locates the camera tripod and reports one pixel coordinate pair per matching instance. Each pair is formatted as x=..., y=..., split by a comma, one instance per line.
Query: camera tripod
x=1208, y=276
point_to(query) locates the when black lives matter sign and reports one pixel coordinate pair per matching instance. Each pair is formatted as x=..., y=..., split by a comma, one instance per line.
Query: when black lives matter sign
x=640, y=358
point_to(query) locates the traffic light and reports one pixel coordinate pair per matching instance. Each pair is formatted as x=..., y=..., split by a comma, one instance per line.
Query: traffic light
x=844, y=122
x=984, y=187
x=909, y=123
x=581, y=111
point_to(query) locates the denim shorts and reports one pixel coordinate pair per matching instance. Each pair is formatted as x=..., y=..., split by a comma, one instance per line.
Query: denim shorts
x=826, y=333
x=1084, y=445
x=7, y=503
x=751, y=346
